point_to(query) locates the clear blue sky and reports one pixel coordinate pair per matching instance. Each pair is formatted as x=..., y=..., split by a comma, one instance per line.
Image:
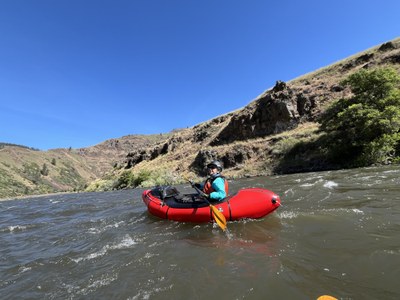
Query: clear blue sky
x=74, y=73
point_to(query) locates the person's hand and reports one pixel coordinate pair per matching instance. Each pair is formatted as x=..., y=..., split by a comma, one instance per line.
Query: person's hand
x=206, y=196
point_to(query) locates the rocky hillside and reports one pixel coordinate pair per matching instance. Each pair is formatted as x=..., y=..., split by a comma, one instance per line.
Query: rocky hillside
x=27, y=171
x=250, y=141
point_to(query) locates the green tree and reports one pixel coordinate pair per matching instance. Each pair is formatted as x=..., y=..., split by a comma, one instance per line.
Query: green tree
x=365, y=128
x=126, y=179
x=45, y=170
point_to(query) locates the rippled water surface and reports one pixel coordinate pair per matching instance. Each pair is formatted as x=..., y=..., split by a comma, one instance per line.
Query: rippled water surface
x=337, y=233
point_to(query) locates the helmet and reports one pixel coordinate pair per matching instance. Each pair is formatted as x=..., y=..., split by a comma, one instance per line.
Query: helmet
x=215, y=163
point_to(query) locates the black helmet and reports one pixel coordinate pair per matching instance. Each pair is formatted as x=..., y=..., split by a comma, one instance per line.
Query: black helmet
x=215, y=163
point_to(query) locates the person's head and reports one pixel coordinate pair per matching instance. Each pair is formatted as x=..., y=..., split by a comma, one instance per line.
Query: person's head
x=214, y=167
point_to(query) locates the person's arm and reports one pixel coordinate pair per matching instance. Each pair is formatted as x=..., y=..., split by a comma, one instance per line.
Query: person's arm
x=219, y=190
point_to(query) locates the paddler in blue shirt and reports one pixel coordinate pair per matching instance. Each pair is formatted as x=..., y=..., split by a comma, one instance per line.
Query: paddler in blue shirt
x=215, y=186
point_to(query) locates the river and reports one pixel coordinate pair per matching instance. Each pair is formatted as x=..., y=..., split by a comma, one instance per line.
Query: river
x=336, y=233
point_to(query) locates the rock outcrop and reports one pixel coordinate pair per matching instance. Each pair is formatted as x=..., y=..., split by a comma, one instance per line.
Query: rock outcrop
x=278, y=110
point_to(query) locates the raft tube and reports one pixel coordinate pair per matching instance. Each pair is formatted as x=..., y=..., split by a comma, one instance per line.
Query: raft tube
x=249, y=203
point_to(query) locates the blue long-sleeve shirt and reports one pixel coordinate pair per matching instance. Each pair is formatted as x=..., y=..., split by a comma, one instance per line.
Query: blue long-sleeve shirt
x=219, y=189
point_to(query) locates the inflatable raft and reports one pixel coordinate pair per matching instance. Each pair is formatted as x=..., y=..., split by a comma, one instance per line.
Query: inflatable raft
x=249, y=203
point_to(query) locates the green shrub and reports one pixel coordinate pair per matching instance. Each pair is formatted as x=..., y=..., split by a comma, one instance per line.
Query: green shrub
x=126, y=179
x=100, y=185
x=364, y=129
x=45, y=170
x=143, y=176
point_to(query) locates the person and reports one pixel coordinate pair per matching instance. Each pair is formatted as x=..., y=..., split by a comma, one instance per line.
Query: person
x=216, y=185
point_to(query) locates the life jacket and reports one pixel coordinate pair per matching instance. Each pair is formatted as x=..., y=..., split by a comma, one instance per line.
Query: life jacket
x=208, y=189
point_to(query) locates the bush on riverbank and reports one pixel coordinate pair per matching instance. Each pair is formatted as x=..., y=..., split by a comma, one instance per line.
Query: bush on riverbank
x=358, y=131
x=365, y=128
x=129, y=179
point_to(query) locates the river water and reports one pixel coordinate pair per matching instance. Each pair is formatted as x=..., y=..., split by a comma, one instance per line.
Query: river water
x=337, y=233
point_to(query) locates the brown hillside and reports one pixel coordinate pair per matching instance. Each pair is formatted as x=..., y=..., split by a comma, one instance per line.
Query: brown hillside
x=250, y=141
x=26, y=171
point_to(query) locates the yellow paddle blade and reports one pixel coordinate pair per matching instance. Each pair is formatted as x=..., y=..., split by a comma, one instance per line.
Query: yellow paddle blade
x=326, y=297
x=218, y=217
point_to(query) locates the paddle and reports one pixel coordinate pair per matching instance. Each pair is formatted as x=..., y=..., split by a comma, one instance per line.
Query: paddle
x=326, y=297
x=217, y=215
